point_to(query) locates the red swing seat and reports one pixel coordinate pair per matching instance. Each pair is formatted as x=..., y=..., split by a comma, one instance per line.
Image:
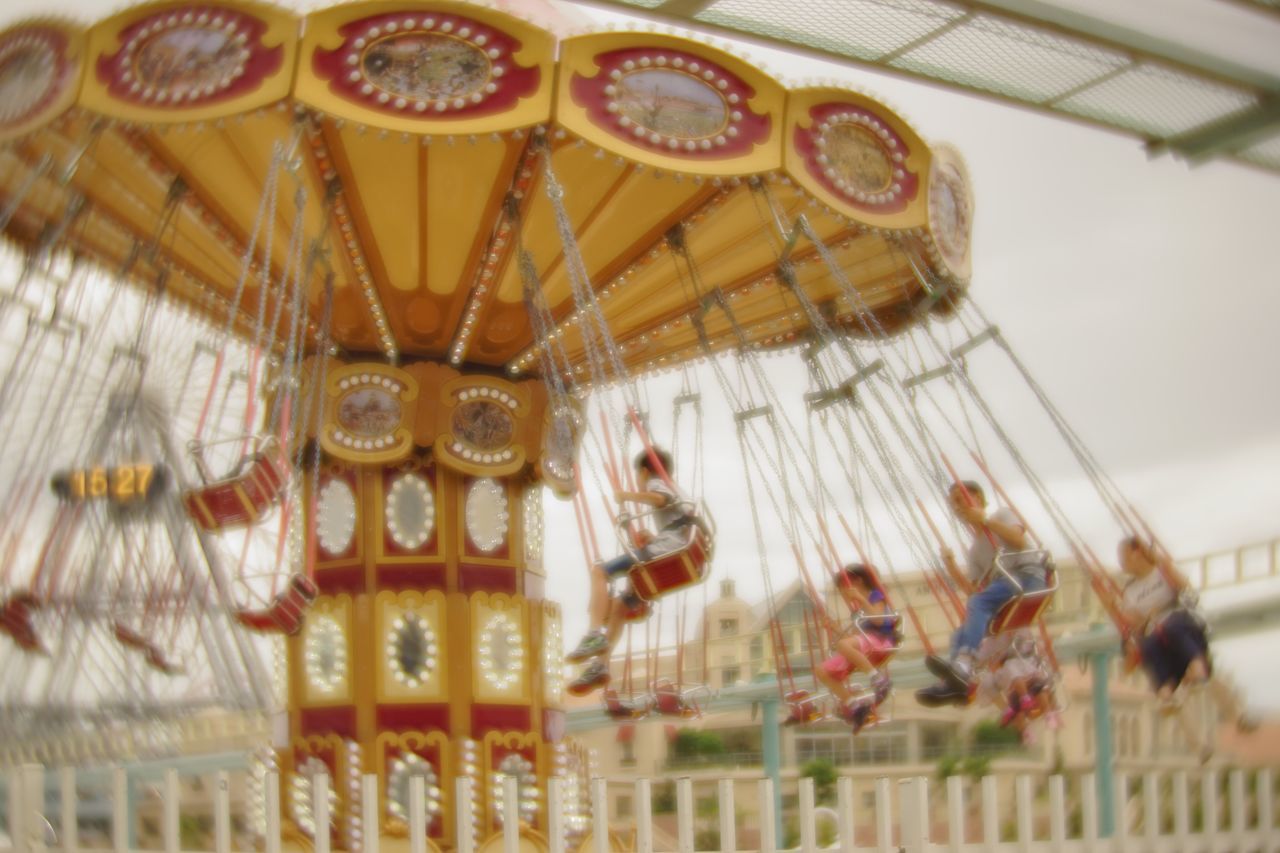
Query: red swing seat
x=671, y=701
x=676, y=570
x=150, y=651
x=625, y=709
x=1025, y=608
x=285, y=612
x=804, y=707
x=15, y=620
x=245, y=496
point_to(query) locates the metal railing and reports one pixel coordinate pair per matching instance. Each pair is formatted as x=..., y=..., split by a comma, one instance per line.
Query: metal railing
x=1233, y=566
x=1159, y=812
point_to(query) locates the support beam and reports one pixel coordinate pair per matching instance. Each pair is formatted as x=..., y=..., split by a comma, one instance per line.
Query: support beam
x=1232, y=134
x=1104, y=763
x=771, y=747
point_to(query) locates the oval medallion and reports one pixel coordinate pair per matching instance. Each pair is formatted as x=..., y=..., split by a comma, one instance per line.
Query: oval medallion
x=859, y=163
x=501, y=652
x=403, y=769
x=369, y=412
x=301, y=797
x=486, y=512
x=411, y=650
x=671, y=104
x=28, y=72
x=426, y=66
x=189, y=62
x=325, y=651
x=950, y=211
x=411, y=511
x=526, y=786
x=483, y=424
x=335, y=517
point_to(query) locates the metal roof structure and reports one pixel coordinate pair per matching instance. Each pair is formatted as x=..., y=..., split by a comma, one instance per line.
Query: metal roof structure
x=1178, y=100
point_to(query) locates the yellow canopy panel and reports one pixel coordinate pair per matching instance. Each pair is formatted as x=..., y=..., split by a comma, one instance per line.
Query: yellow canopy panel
x=415, y=150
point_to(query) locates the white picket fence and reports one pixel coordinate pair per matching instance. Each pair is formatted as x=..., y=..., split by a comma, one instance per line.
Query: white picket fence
x=901, y=827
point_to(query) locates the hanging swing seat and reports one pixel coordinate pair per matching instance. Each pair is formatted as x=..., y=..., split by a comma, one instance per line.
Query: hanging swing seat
x=244, y=495
x=151, y=653
x=680, y=567
x=1027, y=606
x=869, y=625
x=670, y=701
x=675, y=570
x=285, y=612
x=629, y=709
x=804, y=707
x=15, y=620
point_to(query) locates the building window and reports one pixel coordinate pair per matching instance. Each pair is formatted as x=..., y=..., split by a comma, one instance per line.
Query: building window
x=880, y=747
x=728, y=627
x=835, y=747
x=730, y=675
x=628, y=754
x=624, y=805
x=938, y=740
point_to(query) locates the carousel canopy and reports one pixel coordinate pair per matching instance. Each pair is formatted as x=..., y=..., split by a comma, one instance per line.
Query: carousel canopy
x=405, y=153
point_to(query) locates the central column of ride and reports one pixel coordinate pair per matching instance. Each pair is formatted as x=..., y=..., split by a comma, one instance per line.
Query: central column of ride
x=430, y=649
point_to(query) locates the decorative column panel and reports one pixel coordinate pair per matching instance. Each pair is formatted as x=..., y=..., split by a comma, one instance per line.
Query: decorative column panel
x=429, y=650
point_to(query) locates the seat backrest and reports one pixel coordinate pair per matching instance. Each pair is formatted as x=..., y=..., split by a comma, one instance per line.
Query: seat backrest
x=1020, y=611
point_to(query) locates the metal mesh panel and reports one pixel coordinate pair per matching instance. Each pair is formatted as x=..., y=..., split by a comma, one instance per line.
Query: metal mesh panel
x=998, y=56
x=1265, y=154
x=862, y=29
x=1081, y=75
x=1158, y=101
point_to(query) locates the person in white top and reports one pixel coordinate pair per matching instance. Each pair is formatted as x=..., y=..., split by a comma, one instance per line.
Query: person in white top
x=1171, y=639
x=671, y=515
x=1001, y=532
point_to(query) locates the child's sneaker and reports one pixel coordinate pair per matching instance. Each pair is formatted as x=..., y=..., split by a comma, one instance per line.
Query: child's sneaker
x=596, y=675
x=881, y=684
x=591, y=645
x=859, y=716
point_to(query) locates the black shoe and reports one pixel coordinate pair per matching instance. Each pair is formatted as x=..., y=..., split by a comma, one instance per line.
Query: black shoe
x=860, y=717
x=956, y=676
x=595, y=676
x=937, y=695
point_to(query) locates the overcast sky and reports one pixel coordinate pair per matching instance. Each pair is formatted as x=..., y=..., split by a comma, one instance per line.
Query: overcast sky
x=1143, y=294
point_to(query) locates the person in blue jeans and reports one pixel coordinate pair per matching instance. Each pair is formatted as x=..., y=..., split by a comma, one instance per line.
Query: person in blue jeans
x=671, y=515
x=988, y=589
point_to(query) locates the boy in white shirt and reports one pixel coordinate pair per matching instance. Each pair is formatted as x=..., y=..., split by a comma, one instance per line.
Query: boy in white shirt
x=671, y=515
x=988, y=590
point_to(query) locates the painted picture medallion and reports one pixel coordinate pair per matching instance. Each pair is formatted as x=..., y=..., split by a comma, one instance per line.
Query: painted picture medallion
x=34, y=72
x=950, y=217
x=856, y=158
x=185, y=63
x=27, y=70
x=483, y=424
x=426, y=66
x=671, y=103
x=369, y=412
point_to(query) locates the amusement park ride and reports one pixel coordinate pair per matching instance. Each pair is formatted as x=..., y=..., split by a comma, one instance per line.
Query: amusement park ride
x=338, y=296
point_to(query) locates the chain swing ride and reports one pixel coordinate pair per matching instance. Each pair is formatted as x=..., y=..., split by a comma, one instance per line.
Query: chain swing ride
x=301, y=315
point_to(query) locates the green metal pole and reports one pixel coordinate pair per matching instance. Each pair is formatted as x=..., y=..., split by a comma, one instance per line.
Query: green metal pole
x=1104, y=764
x=132, y=800
x=771, y=745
